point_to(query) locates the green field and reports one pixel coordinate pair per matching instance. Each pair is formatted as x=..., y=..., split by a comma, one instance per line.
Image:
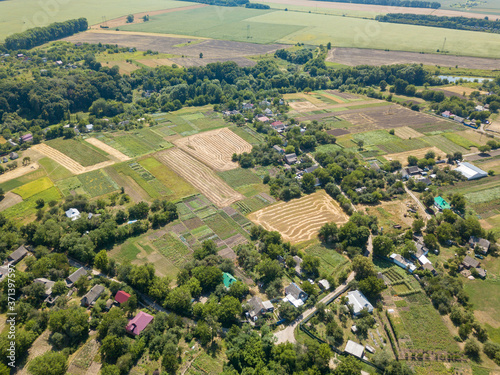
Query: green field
x=247, y=134
x=221, y=227
x=239, y=177
x=54, y=170
x=34, y=187
x=445, y=144
x=16, y=182
x=375, y=137
x=218, y=23
x=69, y=185
x=126, y=170
x=460, y=141
x=17, y=15
x=403, y=145
x=331, y=261
x=78, y=151
x=97, y=183
x=173, y=249
x=28, y=207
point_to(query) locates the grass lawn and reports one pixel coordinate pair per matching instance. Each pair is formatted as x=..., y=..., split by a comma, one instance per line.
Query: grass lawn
x=78, y=151
x=54, y=170
x=239, y=177
x=97, y=183
x=331, y=261
x=34, y=187
x=178, y=187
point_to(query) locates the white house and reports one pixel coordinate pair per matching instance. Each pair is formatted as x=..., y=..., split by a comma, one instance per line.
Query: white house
x=355, y=349
x=359, y=302
x=403, y=263
x=73, y=214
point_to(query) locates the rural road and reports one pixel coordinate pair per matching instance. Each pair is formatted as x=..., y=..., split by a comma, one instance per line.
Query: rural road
x=417, y=201
x=287, y=334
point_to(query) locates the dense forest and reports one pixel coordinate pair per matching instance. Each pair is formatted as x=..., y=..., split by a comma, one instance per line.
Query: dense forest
x=40, y=35
x=395, y=3
x=457, y=23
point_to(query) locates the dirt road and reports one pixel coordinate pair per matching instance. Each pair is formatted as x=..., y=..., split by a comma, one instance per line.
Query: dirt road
x=287, y=334
x=417, y=201
x=18, y=172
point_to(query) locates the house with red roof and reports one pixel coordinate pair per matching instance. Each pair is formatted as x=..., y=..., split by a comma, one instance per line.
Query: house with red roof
x=122, y=297
x=139, y=323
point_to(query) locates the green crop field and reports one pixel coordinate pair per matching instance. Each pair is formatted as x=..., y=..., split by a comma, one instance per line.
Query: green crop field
x=425, y=326
x=224, y=229
x=78, y=151
x=375, y=137
x=247, y=134
x=125, y=169
x=402, y=145
x=173, y=249
x=331, y=261
x=218, y=23
x=17, y=15
x=130, y=145
x=54, y=170
x=68, y=185
x=484, y=195
x=28, y=207
x=461, y=141
x=97, y=183
x=16, y=182
x=34, y=187
x=445, y=144
x=239, y=177
x=177, y=186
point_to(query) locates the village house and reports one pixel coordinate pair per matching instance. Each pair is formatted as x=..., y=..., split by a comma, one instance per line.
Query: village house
x=91, y=297
x=402, y=262
x=291, y=159
x=295, y=295
x=298, y=266
x=247, y=106
x=26, y=138
x=481, y=244
x=139, y=323
x=121, y=297
x=278, y=149
x=470, y=262
x=13, y=156
x=73, y=214
x=228, y=280
x=355, y=349
x=441, y=204
x=4, y=271
x=73, y=278
x=47, y=283
x=258, y=307
x=324, y=285
x=358, y=302
x=16, y=256
x=278, y=126
x=262, y=118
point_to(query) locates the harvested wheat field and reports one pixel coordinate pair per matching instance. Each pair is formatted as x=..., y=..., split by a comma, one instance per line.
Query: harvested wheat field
x=67, y=162
x=108, y=149
x=215, y=148
x=300, y=219
x=405, y=132
x=18, y=172
x=200, y=176
x=420, y=153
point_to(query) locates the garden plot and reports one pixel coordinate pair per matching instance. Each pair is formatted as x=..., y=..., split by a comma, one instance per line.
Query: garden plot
x=300, y=219
x=215, y=148
x=108, y=149
x=200, y=176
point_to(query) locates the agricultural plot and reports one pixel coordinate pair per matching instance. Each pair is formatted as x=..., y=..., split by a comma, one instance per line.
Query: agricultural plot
x=71, y=185
x=215, y=148
x=405, y=132
x=173, y=249
x=247, y=134
x=402, y=157
x=28, y=207
x=16, y=173
x=108, y=149
x=97, y=183
x=13, y=183
x=68, y=163
x=331, y=261
x=135, y=178
x=200, y=176
x=402, y=145
x=461, y=141
x=239, y=177
x=78, y=151
x=300, y=219
x=221, y=227
x=54, y=170
x=375, y=137
x=445, y=144
x=34, y=187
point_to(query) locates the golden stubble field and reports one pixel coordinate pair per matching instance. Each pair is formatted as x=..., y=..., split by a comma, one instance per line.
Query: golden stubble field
x=300, y=219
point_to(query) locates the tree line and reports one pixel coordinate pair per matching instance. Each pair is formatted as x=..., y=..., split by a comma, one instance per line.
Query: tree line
x=396, y=3
x=40, y=35
x=457, y=23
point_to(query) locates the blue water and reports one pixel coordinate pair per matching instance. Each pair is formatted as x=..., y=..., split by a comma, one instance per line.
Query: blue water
x=454, y=79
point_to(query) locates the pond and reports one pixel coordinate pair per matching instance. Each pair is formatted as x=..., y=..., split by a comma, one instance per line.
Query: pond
x=454, y=79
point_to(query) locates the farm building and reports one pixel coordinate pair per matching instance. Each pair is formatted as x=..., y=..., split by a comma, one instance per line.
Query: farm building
x=403, y=263
x=73, y=214
x=458, y=119
x=441, y=204
x=121, y=297
x=258, y=307
x=139, y=323
x=16, y=256
x=324, y=284
x=481, y=272
x=295, y=295
x=358, y=302
x=469, y=262
x=291, y=158
x=228, y=279
x=355, y=349
x=91, y=297
x=470, y=172
x=73, y=278
x=481, y=243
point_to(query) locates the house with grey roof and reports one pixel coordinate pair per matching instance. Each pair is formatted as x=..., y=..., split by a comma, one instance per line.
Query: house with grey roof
x=295, y=295
x=91, y=297
x=359, y=302
x=482, y=244
x=16, y=256
x=355, y=349
x=73, y=278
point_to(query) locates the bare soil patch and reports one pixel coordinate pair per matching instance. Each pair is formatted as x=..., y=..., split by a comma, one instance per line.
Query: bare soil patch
x=39, y=347
x=18, y=172
x=215, y=148
x=108, y=149
x=337, y=132
x=402, y=157
x=138, y=17
x=213, y=50
x=67, y=162
x=9, y=200
x=359, y=56
x=131, y=187
x=200, y=176
x=300, y=219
